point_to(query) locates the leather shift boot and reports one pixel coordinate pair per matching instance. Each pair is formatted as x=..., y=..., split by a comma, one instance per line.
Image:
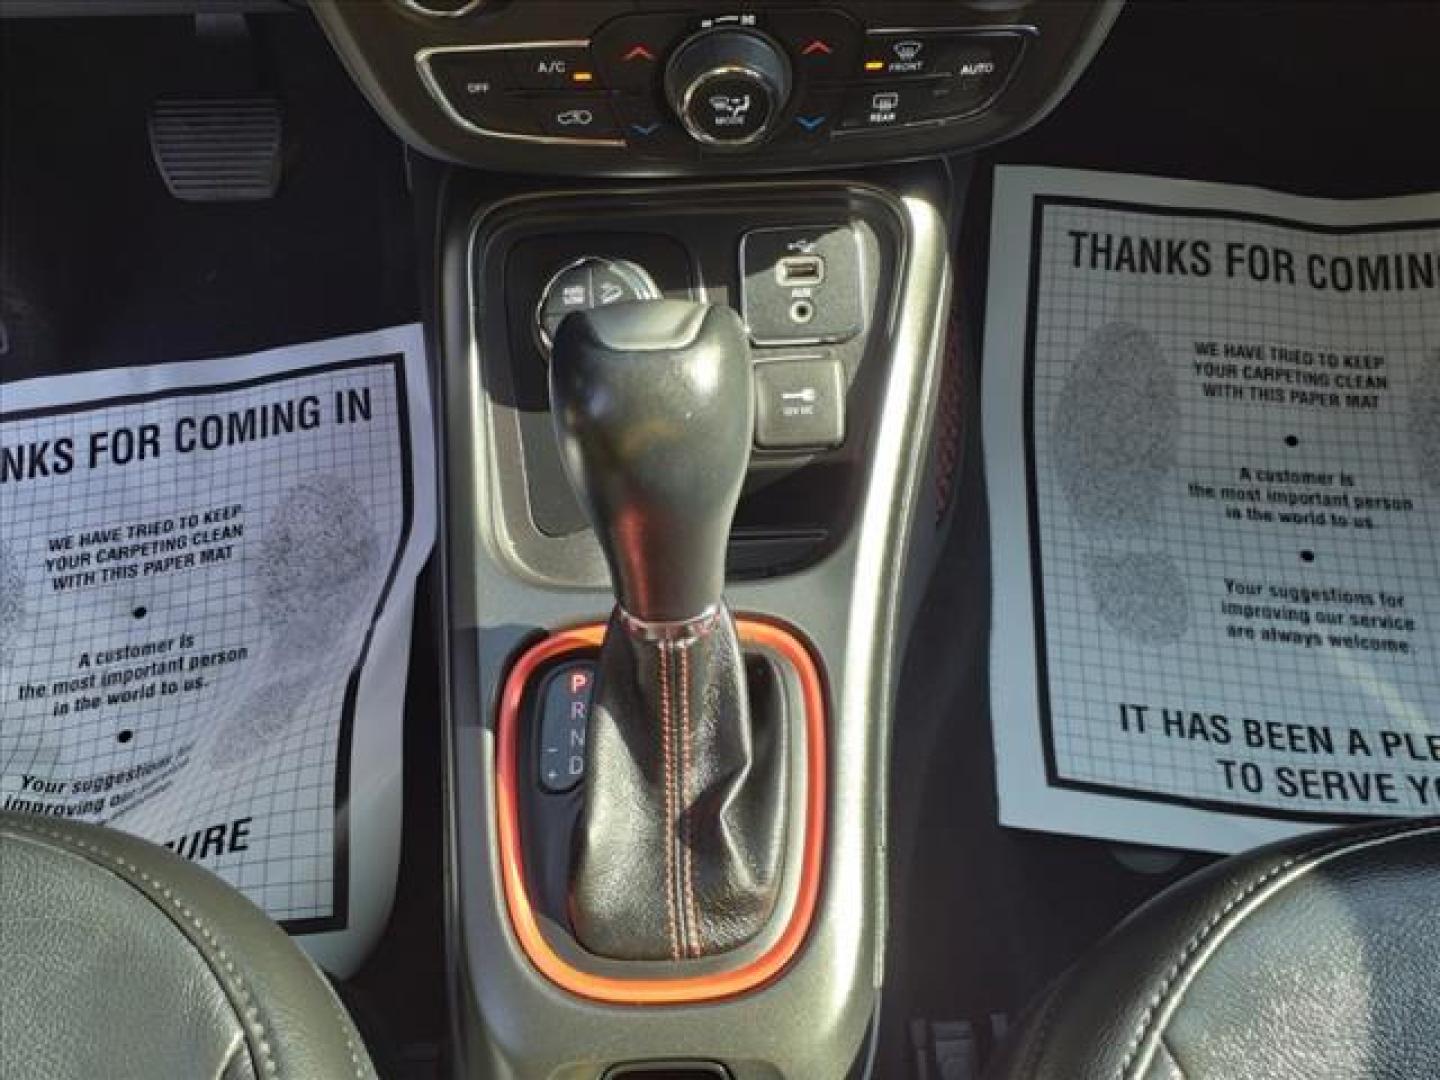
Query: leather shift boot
x=679, y=847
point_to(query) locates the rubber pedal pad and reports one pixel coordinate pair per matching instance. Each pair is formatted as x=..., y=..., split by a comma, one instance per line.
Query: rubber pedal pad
x=218, y=149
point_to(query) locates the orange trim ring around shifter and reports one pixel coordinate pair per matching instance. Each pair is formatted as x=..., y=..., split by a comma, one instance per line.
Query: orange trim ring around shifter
x=681, y=990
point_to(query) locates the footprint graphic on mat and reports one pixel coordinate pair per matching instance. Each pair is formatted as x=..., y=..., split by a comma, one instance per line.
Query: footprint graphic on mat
x=1425, y=420
x=15, y=608
x=308, y=582
x=14, y=604
x=1113, y=438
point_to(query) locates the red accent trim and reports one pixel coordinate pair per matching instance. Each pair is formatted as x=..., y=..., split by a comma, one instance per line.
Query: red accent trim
x=682, y=989
x=816, y=46
x=639, y=52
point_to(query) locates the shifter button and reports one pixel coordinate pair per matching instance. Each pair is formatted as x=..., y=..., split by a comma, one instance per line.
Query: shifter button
x=586, y=284
x=614, y=283
x=564, y=721
x=569, y=290
x=799, y=404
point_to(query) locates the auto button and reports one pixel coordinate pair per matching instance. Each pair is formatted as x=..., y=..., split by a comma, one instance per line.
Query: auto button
x=975, y=69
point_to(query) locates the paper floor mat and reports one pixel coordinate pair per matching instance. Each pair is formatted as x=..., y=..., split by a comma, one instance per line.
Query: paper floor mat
x=1212, y=426
x=208, y=573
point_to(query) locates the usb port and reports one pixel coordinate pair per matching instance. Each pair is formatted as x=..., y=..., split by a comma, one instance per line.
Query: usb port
x=794, y=271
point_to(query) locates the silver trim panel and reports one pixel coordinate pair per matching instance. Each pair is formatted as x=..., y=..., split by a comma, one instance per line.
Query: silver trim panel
x=419, y=8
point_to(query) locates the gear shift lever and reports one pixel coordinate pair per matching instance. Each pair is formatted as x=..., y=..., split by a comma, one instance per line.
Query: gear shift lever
x=678, y=850
x=654, y=408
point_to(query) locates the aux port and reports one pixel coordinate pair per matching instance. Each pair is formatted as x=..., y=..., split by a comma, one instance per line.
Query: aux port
x=802, y=312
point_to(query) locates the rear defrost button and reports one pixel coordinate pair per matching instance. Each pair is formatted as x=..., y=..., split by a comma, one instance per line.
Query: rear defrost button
x=883, y=105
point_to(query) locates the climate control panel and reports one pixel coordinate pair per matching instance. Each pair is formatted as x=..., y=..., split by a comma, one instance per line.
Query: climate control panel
x=680, y=86
x=710, y=87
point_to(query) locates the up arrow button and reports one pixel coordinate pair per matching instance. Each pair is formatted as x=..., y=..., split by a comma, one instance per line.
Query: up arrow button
x=823, y=45
x=630, y=51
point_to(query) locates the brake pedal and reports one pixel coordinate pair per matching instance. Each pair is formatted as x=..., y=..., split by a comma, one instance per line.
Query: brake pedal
x=218, y=149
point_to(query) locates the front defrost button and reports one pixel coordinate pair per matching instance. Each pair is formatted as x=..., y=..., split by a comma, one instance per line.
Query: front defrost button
x=894, y=56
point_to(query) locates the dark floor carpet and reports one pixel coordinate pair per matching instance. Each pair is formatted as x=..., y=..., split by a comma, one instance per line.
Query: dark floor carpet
x=110, y=270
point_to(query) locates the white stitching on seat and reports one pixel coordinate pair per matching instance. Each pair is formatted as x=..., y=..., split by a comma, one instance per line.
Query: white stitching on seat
x=267, y=1061
x=1313, y=859
x=356, y=1064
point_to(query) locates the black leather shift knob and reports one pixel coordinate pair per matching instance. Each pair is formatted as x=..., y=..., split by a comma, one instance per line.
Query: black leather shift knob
x=654, y=408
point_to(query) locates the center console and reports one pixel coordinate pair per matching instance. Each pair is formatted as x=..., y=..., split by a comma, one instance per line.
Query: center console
x=690, y=491
x=563, y=924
